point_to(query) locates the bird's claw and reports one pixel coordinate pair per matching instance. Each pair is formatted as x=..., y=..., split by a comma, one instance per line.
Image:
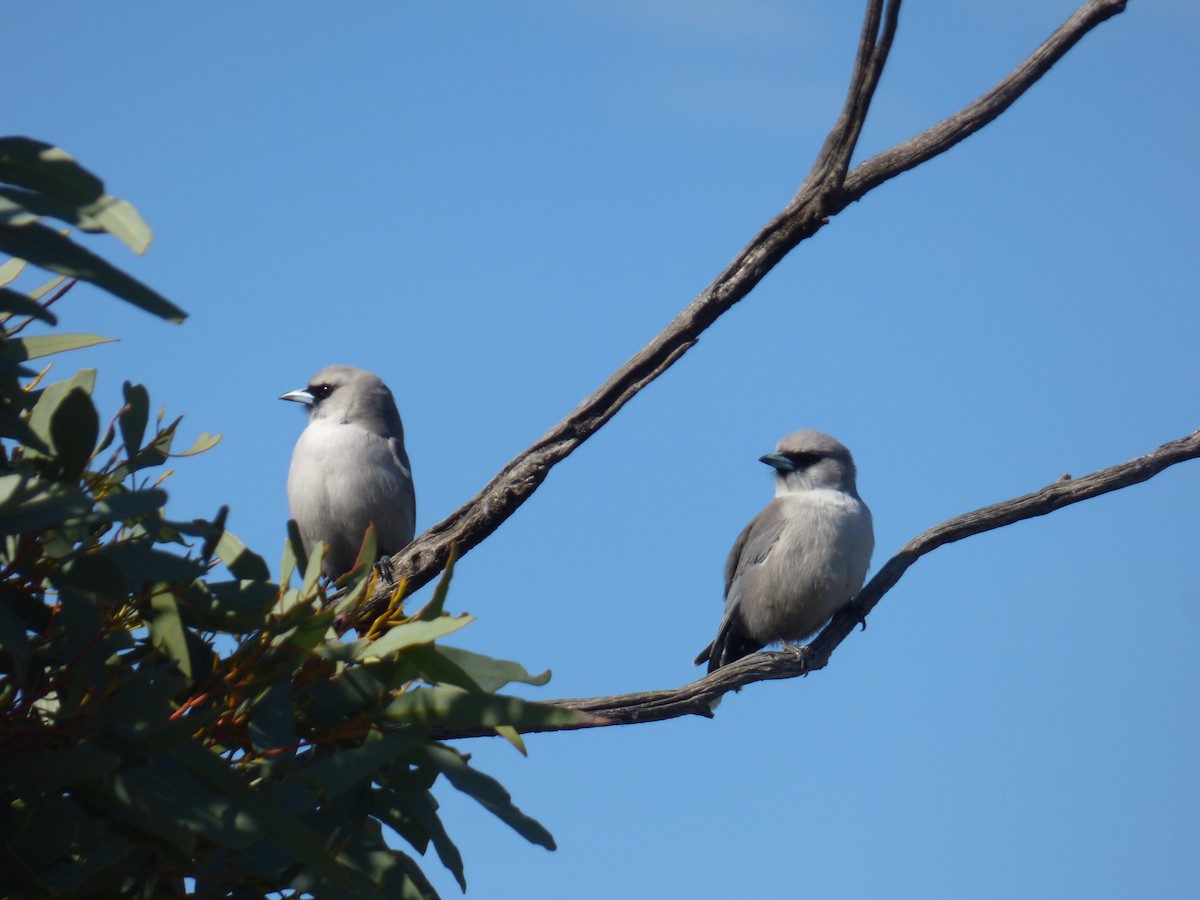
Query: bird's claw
x=801, y=652
x=387, y=572
x=860, y=614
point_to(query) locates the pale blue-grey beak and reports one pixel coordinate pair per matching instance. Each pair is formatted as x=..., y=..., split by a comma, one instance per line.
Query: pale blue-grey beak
x=776, y=461
x=300, y=396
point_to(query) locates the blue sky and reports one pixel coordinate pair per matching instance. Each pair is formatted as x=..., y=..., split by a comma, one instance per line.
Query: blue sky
x=493, y=206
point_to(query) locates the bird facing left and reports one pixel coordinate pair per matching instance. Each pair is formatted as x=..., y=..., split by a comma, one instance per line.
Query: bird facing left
x=350, y=469
x=802, y=558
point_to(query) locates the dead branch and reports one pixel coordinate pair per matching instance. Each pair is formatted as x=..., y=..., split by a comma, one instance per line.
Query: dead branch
x=697, y=698
x=827, y=190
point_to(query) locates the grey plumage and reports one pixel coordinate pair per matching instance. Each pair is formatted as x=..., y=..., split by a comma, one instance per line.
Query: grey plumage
x=349, y=468
x=802, y=558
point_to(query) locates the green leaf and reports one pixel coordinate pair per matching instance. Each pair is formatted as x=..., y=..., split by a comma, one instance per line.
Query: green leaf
x=41, y=417
x=357, y=690
x=437, y=602
x=293, y=554
x=513, y=736
x=355, y=592
x=47, y=248
x=349, y=768
x=368, y=553
x=106, y=439
x=412, y=773
x=490, y=674
x=206, y=441
x=17, y=304
x=272, y=717
x=48, y=170
x=167, y=633
x=117, y=217
x=435, y=668
x=280, y=826
x=10, y=270
x=169, y=789
x=13, y=211
x=210, y=531
x=95, y=573
x=123, y=799
x=453, y=709
x=386, y=873
x=125, y=505
x=232, y=607
x=39, y=852
x=488, y=792
x=341, y=651
x=28, y=505
x=142, y=563
x=309, y=585
x=133, y=417
x=58, y=768
x=56, y=185
x=411, y=633
x=393, y=808
x=10, y=369
x=107, y=214
x=42, y=290
x=412, y=814
x=141, y=709
x=61, y=870
x=74, y=428
x=41, y=345
x=311, y=629
x=424, y=809
x=106, y=851
x=16, y=426
x=240, y=560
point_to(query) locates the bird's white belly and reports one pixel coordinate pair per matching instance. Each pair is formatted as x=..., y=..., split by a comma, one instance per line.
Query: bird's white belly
x=813, y=571
x=350, y=478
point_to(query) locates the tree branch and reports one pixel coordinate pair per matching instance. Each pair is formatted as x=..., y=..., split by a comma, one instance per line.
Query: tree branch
x=968, y=120
x=826, y=191
x=829, y=170
x=699, y=697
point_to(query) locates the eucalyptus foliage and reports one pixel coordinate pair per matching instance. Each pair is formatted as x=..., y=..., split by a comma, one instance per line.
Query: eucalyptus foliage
x=173, y=719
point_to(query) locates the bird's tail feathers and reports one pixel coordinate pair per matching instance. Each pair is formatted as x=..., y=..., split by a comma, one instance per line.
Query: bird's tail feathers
x=730, y=645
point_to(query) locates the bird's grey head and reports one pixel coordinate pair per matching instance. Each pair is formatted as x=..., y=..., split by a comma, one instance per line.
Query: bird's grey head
x=807, y=459
x=350, y=396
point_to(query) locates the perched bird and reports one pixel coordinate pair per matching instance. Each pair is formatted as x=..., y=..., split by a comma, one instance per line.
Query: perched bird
x=802, y=558
x=350, y=469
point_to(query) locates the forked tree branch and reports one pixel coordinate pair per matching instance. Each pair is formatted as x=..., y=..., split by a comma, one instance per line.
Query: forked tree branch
x=827, y=190
x=699, y=697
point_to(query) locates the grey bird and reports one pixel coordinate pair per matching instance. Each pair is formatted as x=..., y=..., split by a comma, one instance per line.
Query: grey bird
x=350, y=469
x=802, y=558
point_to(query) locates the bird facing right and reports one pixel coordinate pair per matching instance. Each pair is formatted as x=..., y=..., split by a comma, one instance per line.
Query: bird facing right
x=802, y=558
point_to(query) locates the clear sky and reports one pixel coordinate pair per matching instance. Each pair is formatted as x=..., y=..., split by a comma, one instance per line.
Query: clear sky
x=494, y=205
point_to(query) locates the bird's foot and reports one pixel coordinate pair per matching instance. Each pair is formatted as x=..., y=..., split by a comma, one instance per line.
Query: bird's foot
x=801, y=652
x=387, y=572
x=860, y=614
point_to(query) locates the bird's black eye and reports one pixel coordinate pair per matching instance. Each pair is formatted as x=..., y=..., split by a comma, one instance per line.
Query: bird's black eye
x=803, y=460
x=320, y=391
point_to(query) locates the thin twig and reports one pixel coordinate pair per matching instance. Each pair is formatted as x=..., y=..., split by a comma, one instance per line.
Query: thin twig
x=826, y=191
x=70, y=283
x=950, y=131
x=699, y=697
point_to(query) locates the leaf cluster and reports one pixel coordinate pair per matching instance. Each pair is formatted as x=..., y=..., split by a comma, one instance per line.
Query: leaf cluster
x=172, y=717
